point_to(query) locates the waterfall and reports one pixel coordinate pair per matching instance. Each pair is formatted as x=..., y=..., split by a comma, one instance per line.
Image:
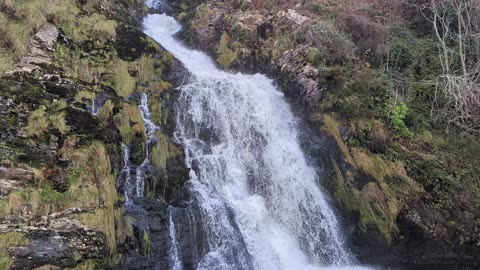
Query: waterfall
x=128, y=189
x=93, y=108
x=137, y=187
x=150, y=129
x=259, y=201
x=174, y=252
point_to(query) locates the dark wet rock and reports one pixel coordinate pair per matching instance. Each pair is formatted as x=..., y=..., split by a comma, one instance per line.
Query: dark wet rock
x=64, y=246
x=151, y=222
x=131, y=44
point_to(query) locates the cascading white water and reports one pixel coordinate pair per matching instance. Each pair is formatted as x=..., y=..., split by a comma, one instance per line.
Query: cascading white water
x=260, y=203
x=137, y=187
x=150, y=128
x=174, y=252
x=93, y=108
x=128, y=189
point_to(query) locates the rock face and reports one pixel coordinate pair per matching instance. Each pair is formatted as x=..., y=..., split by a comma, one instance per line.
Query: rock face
x=68, y=105
x=41, y=50
x=12, y=179
x=63, y=242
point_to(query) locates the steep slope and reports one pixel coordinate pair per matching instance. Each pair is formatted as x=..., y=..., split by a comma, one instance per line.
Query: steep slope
x=74, y=76
x=360, y=75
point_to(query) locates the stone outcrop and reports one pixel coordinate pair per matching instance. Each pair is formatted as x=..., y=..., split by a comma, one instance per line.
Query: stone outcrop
x=41, y=50
x=60, y=144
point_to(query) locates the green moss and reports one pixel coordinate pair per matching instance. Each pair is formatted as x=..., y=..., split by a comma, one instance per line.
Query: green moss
x=313, y=57
x=7, y=240
x=161, y=86
x=162, y=151
x=181, y=16
x=106, y=111
x=57, y=122
x=167, y=59
x=331, y=127
x=109, y=221
x=38, y=123
x=130, y=123
x=155, y=104
x=85, y=96
x=145, y=69
x=146, y=245
x=153, y=44
x=226, y=56
x=377, y=201
x=87, y=265
x=95, y=26
x=124, y=83
x=26, y=17
x=375, y=204
x=57, y=105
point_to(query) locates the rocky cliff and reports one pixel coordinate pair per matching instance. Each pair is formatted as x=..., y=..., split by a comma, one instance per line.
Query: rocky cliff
x=356, y=74
x=403, y=184
x=74, y=73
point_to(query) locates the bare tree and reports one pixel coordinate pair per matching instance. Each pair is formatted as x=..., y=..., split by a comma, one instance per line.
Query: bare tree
x=456, y=25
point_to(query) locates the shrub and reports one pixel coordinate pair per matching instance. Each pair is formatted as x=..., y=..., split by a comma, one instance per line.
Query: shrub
x=398, y=120
x=333, y=45
x=369, y=37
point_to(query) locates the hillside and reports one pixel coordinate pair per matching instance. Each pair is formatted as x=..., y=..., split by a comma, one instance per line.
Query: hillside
x=95, y=173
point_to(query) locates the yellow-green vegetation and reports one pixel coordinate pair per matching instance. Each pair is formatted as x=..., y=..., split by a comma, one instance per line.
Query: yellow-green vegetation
x=143, y=74
x=106, y=111
x=155, y=105
x=46, y=117
x=111, y=222
x=331, y=126
x=16, y=26
x=123, y=82
x=167, y=59
x=149, y=72
x=76, y=66
x=81, y=28
x=130, y=123
x=226, y=55
x=145, y=68
x=22, y=18
x=37, y=123
x=181, y=16
x=385, y=185
x=91, y=183
x=87, y=265
x=159, y=113
x=146, y=245
x=162, y=151
x=109, y=69
x=85, y=96
x=8, y=240
x=95, y=171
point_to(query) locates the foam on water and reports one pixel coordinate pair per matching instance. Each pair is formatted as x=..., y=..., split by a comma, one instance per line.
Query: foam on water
x=260, y=203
